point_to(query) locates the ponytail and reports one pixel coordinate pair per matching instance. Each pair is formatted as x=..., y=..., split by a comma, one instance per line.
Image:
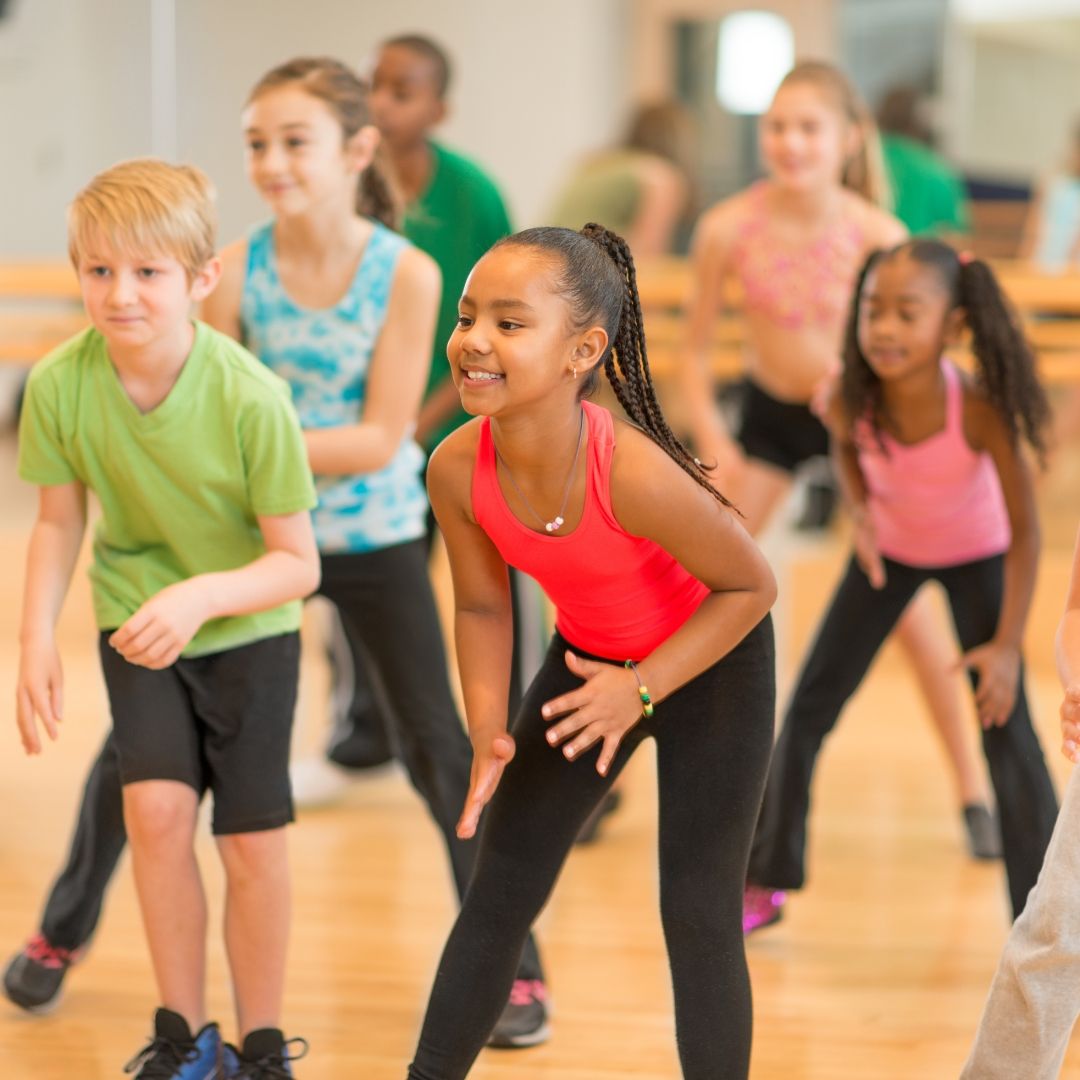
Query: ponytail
x=599, y=281
x=378, y=195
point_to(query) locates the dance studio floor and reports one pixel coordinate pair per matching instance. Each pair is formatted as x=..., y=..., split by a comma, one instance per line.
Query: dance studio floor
x=877, y=973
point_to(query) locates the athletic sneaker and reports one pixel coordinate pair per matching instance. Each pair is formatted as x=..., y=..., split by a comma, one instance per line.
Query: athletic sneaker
x=761, y=907
x=265, y=1056
x=175, y=1054
x=34, y=976
x=524, y=1021
x=983, y=833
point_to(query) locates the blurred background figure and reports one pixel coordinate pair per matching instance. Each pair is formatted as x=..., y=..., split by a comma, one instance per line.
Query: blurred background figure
x=642, y=188
x=1052, y=229
x=928, y=193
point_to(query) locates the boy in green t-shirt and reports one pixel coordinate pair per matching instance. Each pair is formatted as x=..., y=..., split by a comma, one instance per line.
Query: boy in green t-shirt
x=202, y=554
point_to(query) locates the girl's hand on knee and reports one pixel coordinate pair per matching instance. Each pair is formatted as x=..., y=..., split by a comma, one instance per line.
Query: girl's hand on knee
x=604, y=709
x=39, y=693
x=490, y=758
x=1070, y=723
x=998, y=668
x=158, y=632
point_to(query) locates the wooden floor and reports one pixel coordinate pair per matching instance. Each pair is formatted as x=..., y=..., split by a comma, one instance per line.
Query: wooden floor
x=878, y=972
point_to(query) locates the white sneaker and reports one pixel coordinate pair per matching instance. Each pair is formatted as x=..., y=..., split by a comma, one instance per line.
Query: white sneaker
x=317, y=782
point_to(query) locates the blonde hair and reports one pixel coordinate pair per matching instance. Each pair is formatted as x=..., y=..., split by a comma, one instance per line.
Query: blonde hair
x=149, y=207
x=864, y=172
x=339, y=88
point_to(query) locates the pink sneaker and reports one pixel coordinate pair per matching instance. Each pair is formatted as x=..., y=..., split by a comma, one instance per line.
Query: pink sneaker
x=761, y=907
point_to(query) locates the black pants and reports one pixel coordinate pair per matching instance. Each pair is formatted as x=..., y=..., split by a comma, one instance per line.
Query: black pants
x=857, y=622
x=713, y=739
x=388, y=612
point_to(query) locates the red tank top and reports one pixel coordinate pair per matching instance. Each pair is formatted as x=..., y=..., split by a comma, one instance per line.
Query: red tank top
x=616, y=595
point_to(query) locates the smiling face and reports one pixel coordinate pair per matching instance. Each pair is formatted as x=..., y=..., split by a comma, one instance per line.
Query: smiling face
x=805, y=138
x=298, y=157
x=515, y=343
x=906, y=317
x=139, y=301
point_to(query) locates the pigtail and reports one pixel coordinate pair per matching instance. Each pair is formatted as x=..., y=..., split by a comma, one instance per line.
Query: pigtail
x=378, y=195
x=627, y=363
x=1006, y=363
x=860, y=388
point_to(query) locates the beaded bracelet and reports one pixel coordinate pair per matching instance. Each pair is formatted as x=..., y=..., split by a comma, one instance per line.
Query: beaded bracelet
x=643, y=690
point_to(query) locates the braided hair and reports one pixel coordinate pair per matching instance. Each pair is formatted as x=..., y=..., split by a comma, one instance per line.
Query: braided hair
x=345, y=95
x=1004, y=359
x=598, y=279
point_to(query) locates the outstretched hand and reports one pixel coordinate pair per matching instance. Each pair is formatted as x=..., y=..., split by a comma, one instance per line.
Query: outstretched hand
x=998, y=667
x=604, y=709
x=1070, y=723
x=488, y=764
x=40, y=693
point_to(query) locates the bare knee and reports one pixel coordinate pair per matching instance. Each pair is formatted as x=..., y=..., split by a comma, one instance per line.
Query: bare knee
x=158, y=812
x=253, y=856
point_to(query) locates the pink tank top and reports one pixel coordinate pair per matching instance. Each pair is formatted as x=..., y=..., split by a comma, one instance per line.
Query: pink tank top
x=796, y=287
x=616, y=595
x=937, y=502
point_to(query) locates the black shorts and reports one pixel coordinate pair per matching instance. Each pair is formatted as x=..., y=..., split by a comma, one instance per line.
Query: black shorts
x=780, y=433
x=220, y=722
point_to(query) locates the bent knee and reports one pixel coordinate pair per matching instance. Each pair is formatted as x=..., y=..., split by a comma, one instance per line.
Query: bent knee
x=159, y=810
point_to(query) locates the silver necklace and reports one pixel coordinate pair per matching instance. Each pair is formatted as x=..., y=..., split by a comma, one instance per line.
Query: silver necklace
x=558, y=520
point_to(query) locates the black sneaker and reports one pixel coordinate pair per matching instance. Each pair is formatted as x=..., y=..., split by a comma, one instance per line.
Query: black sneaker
x=524, y=1021
x=983, y=833
x=175, y=1054
x=361, y=742
x=34, y=977
x=265, y=1056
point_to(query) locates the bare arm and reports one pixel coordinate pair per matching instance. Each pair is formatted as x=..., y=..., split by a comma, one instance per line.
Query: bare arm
x=483, y=626
x=710, y=257
x=54, y=547
x=395, y=385
x=442, y=403
x=998, y=661
x=1067, y=653
x=162, y=627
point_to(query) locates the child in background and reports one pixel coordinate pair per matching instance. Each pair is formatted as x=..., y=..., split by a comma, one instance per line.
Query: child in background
x=343, y=308
x=796, y=241
x=203, y=551
x=662, y=631
x=1033, y=1002
x=1052, y=229
x=931, y=467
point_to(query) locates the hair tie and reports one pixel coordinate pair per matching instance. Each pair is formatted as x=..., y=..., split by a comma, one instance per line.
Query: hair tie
x=965, y=258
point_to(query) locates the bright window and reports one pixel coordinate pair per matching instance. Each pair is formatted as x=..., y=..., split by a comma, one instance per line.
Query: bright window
x=756, y=49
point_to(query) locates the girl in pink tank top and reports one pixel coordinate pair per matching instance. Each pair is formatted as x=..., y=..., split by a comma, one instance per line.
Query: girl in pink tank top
x=931, y=465
x=662, y=632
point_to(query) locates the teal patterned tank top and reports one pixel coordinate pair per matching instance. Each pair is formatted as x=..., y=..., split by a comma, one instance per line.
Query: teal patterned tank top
x=324, y=355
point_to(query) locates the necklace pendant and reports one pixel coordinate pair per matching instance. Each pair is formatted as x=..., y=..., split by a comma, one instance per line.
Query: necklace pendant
x=551, y=526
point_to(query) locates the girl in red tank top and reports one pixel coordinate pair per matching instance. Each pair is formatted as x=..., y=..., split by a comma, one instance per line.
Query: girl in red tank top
x=931, y=466
x=662, y=632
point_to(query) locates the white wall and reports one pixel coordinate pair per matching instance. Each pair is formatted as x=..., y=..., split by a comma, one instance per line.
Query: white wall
x=536, y=85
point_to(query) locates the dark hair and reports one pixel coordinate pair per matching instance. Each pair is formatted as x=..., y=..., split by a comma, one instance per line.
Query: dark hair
x=1005, y=362
x=599, y=281
x=342, y=90
x=429, y=50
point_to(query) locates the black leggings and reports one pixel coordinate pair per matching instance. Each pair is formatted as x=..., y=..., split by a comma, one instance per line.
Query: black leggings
x=713, y=739
x=388, y=612
x=857, y=622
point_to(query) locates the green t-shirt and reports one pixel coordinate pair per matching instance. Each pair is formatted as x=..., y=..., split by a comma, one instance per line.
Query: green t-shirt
x=179, y=486
x=458, y=217
x=929, y=194
x=606, y=189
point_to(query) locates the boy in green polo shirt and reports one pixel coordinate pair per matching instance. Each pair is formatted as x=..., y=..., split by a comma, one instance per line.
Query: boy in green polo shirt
x=202, y=554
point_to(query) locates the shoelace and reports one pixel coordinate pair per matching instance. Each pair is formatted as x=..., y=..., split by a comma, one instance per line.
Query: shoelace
x=273, y=1066
x=526, y=991
x=40, y=951
x=162, y=1057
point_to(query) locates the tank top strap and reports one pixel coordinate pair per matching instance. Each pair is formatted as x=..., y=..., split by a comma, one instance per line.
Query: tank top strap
x=954, y=398
x=601, y=449
x=374, y=276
